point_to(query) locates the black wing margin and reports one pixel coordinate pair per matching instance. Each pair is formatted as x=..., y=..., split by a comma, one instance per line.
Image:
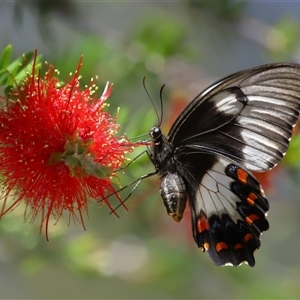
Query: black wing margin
x=247, y=117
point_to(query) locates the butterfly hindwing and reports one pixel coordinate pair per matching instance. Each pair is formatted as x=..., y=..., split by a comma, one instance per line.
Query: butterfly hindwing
x=228, y=213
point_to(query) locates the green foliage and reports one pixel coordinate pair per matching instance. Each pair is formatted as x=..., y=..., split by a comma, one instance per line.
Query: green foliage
x=161, y=35
x=283, y=38
x=5, y=57
x=12, y=72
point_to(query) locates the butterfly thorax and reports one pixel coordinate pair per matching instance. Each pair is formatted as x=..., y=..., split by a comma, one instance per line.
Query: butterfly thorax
x=162, y=153
x=172, y=188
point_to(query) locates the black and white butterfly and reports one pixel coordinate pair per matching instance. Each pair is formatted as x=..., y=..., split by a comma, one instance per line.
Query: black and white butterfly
x=240, y=124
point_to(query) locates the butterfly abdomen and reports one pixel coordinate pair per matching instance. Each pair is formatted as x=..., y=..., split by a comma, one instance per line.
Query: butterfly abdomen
x=173, y=193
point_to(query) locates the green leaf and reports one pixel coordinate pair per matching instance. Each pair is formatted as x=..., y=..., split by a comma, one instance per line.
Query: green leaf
x=5, y=57
x=22, y=72
x=17, y=70
x=3, y=76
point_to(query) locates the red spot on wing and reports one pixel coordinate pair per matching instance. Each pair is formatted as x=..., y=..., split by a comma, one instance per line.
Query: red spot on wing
x=221, y=246
x=251, y=199
x=251, y=218
x=237, y=246
x=202, y=223
x=247, y=237
x=242, y=176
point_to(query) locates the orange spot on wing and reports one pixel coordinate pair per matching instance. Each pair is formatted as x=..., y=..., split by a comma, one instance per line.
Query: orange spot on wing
x=221, y=246
x=251, y=199
x=238, y=246
x=247, y=237
x=242, y=176
x=202, y=223
x=251, y=218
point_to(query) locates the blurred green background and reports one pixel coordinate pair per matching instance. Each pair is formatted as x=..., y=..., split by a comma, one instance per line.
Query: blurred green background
x=144, y=254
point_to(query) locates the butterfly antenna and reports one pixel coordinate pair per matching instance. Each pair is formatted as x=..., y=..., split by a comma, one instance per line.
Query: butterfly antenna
x=144, y=85
x=161, y=105
x=138, y=137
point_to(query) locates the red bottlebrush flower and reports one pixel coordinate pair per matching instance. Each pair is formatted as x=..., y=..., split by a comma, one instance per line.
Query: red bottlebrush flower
x=58, y=147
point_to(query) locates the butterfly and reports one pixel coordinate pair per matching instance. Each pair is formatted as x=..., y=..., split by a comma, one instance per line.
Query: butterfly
x=239, y=125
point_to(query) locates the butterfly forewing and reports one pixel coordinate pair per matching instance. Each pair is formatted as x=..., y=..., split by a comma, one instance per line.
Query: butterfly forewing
x=252, y=124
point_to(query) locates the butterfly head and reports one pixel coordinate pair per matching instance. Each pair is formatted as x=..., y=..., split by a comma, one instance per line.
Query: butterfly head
x=156, y=134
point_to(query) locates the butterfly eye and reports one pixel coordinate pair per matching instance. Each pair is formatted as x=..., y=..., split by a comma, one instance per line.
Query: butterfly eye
x=155, y=133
